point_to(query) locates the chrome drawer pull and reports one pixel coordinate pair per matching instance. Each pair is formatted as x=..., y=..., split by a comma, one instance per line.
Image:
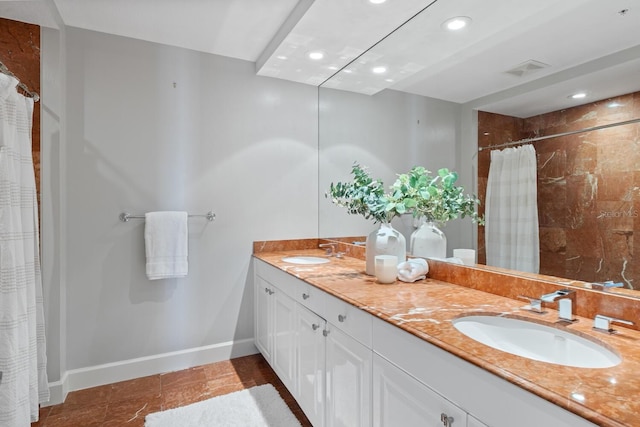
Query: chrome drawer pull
x=305, y=296
x=341, y=318
x=447, y=421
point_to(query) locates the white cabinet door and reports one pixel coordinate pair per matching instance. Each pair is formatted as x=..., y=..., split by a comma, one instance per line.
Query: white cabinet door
x=284, y=338
x=401, y=400
x=348, y=383
x=263, y=317
x=310, y=364
x=473, y=422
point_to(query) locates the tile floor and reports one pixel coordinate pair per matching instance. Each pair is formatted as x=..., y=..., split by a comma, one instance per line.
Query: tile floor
x=126, y=403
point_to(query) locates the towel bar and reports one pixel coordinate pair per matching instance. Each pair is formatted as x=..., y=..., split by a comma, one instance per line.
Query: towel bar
x=126, y=216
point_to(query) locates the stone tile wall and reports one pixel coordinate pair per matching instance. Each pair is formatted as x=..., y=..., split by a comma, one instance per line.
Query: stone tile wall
x=588, y=187
x=20, y=52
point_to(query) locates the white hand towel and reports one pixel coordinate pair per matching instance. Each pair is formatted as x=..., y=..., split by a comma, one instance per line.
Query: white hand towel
x=413, y=269
x=166, y=244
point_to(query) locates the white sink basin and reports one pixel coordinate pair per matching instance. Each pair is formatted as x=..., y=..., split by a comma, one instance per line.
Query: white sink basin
x=305, y=260
x=536, y=341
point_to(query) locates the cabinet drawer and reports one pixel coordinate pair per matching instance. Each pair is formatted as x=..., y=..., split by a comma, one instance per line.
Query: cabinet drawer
x=351, y=320
x=284, y=281
x=311, y=297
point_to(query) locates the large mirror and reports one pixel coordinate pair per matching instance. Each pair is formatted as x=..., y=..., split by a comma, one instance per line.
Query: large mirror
x=509, y=75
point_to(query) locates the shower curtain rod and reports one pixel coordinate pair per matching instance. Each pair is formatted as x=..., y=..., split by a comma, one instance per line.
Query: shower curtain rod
x=573, y=132
x=5, y=70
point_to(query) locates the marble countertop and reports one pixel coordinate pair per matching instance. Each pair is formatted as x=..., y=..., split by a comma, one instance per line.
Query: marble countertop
x=604, y=396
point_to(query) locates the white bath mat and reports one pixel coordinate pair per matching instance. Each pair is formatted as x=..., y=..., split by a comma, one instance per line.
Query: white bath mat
x=259, y=406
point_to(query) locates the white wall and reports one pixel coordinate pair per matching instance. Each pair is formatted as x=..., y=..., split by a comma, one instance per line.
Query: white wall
x=140, y=127
x=389, y=132
x=151, y=127
x=51, y=232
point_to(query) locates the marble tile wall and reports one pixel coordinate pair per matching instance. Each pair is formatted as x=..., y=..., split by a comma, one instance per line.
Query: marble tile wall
x=588, y=187
x=20, y=52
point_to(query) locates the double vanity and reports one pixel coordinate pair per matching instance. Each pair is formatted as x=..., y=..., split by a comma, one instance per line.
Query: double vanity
x=455, y=349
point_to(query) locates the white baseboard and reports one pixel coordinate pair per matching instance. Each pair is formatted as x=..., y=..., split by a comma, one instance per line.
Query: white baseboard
x=78, y=379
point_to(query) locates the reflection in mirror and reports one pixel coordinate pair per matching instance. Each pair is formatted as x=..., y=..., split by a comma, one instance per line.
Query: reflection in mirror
x=440, y=96
x=389, y=133
x=588, y=186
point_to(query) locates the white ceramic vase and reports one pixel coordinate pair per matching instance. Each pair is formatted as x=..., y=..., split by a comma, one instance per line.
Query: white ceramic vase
x=428, y=241
x=386, y=240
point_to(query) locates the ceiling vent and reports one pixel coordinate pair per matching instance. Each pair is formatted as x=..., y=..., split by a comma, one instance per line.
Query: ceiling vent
x=527, y=68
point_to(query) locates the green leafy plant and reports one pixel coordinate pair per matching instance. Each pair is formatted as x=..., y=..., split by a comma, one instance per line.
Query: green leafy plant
x=417, y=192
x=436, y=198
x=363, y=196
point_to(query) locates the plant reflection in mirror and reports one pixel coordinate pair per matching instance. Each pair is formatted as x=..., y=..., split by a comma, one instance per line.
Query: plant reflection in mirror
x=418, y=192
x=435, y=198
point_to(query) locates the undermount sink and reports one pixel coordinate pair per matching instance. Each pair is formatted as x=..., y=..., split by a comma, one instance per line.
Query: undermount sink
x=536, y=341
x=305, y=260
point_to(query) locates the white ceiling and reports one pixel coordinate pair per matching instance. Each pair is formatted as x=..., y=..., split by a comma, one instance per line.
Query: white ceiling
x=586, y=44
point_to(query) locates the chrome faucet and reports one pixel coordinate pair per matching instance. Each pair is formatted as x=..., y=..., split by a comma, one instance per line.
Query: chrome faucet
x=535, y=304
x=331, y=248
x=565, y=298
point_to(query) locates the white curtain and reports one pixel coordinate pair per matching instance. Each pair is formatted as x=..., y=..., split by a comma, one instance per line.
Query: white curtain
x=511, y=210
x=22, y=345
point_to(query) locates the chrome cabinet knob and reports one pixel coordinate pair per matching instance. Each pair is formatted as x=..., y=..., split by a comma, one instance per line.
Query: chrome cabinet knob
x=315, y=326
x=447, y=421
x=305, y=296
x=341, y=318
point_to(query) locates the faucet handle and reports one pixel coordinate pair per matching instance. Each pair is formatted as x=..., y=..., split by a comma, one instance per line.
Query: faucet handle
x=603, y=323
x=535, y=304
x=603, y=286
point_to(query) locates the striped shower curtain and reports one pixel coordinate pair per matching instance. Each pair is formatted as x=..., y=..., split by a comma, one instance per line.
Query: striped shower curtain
x=511, y=210
x=22, y=344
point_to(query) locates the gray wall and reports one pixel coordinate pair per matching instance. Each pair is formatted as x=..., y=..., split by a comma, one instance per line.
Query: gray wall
x=389, y=132
x=118, y=135
x=222, y=139
x=51, y=204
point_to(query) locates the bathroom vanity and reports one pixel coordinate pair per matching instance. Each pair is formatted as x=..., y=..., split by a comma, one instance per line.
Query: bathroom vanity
x=357, y=353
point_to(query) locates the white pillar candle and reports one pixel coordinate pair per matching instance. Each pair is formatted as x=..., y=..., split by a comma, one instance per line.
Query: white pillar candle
x=386, y=268
x=468, y=256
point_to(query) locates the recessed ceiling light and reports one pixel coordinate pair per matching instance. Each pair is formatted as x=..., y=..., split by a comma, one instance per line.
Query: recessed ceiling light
x=456, y=23
x=316, y=55
x=578, y=95
x=281, y=57
x=332, y=67
x=377, y=1
x=379, y=70
x=388, y=80
x=348, y=71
